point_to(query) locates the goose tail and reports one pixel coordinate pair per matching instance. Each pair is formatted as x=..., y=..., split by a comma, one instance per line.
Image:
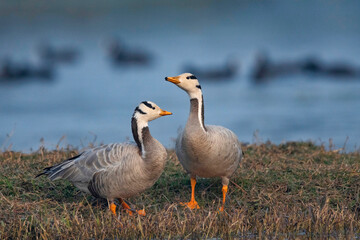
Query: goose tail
x=59, y=170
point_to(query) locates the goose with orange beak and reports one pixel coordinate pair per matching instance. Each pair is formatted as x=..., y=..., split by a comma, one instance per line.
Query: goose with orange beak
x=204, y=150
x=120, y=170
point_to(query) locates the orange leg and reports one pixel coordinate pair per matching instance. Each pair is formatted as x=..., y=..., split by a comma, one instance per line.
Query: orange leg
x=113, y=208
x=192, y=204
x=130, y=210
x=224, y=190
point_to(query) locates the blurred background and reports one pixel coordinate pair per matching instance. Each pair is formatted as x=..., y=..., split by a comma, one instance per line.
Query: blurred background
x=275, y=70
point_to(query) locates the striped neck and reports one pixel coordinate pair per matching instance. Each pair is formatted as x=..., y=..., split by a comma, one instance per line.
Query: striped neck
x=197, y=111
x=139, y=130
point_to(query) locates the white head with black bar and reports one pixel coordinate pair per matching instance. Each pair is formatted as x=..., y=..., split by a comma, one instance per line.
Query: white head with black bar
x=189, y=83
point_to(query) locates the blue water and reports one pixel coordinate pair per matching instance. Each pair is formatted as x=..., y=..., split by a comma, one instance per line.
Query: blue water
x=93, y=101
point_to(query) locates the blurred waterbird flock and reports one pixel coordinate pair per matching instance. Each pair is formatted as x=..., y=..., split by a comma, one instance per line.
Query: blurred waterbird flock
x=62, y=76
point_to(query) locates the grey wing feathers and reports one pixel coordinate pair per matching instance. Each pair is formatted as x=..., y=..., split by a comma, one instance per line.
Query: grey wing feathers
x=230, y=138
x=225, y=140
x=227, y=147
x=53, y=171
x=82, y=167
x=222, y=134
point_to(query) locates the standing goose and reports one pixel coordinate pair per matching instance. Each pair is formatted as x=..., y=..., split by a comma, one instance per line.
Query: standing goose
x=204, y=151
x=118, y=170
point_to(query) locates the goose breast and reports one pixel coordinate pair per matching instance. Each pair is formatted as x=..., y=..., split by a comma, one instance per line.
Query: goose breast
x=215, y=153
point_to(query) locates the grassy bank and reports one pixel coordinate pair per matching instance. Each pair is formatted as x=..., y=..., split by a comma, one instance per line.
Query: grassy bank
x=289, y=190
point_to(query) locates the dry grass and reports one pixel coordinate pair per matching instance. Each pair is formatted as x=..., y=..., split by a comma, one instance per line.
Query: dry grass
x=294, y=190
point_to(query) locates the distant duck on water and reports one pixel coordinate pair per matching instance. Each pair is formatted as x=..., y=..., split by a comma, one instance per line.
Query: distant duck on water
x=204, y=150
x=120, y=170
x=337, y=69
x=11, y=71
x=53, y=55
x=265, y=69
x=218, y=73
x=120, y=54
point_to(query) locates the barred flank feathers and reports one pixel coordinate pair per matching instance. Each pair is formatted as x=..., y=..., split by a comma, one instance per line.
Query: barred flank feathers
x=93, y=185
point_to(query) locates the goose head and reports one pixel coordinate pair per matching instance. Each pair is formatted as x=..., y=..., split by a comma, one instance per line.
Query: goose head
x=147, y=111
x=188, y=82
x=144, y=113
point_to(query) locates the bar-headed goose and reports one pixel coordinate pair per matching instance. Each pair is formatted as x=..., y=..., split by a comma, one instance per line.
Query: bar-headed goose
x=204, y=150
x=120, y=170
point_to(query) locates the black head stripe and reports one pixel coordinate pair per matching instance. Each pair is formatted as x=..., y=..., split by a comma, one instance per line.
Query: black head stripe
x=137, y=109
x=191, y=77
x=148, y=105
x=198, y=86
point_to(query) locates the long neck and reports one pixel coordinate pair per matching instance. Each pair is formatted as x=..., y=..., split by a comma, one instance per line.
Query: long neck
x=142, y=136
x=196, y=117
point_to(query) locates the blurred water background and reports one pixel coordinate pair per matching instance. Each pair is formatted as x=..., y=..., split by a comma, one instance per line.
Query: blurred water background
x=91, y=100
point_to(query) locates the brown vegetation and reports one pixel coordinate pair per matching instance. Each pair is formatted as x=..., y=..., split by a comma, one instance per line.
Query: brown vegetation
x=293, y=190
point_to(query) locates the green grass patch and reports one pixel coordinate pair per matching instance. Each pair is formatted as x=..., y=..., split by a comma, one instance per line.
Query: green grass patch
x=292, y=190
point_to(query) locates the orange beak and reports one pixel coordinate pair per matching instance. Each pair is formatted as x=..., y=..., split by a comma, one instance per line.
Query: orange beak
x=173, y=79
x=164, y=113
